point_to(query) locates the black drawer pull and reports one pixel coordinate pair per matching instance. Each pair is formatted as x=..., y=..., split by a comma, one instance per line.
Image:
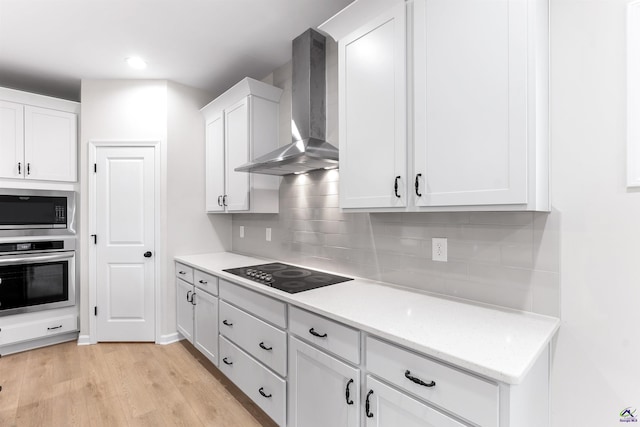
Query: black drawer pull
x=395, y=186
x=417, y=185
x=418, y=381
x=226, y=323
x=348, y=394
x=54, y=327
x=182, y=272
x=262, y=346
x=315, y=334
x=261, y=391
x=204, y=282
x=367, y=405
x=226, y=362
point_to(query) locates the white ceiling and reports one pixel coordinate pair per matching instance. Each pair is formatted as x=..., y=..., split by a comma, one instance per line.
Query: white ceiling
x=48, y=46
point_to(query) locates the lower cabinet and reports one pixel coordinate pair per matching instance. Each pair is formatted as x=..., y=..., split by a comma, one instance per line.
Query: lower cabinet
x=307, y=370
x=205, y=336
x=323, y=391
x=387, y=407
x=184, y=308
x=197, y=310
x=264, y=387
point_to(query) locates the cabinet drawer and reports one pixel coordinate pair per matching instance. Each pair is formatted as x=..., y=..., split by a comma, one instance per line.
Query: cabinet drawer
x=38, y=329
x=463, y=394
x=269, y=309
x=327, y=334
x=263, y=341
x=205, y=281
x=264, y=387
x=184, y=272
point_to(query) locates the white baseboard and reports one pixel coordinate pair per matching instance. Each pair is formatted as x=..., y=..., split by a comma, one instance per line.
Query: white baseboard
x=84, y=340
x=169, y=338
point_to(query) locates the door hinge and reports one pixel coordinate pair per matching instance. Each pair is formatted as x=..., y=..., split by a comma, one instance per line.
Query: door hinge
x=95, y=310
x=95, y=239
x=95, y=168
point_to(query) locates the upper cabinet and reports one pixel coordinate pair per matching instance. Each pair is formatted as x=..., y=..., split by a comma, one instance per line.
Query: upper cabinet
x=448, y=112
x=372, y=98
x=38, y=137
x=241, y=124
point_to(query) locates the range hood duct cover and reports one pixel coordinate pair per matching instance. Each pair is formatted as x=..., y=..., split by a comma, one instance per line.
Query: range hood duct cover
x=309, y=150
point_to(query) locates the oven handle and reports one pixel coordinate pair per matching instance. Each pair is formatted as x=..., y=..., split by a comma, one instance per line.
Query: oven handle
x=33, y=259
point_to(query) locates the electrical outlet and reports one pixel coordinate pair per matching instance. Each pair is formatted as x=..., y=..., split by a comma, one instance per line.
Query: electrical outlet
x=268, y=234
x=439, y=249
x=242, y=231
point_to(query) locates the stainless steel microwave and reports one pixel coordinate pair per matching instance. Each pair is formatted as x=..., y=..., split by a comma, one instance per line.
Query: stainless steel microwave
x=37, y=212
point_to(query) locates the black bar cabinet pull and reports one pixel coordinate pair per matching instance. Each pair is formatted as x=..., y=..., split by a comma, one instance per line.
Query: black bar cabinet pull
x=367, y=405
x=418, y=381
x=28, y=168
x=224, y=200
x=261, y=390
x=204, y=282
x=347, y=394
x=188, y=294
x=395, y=186
x=19, y=168
x=315, y=334
x=418, y=193
x=182, y=272
x=54, y=327
x=227, y=323
x=226, y=362
x=219, y=200
x=193, y=296
x=264, y=347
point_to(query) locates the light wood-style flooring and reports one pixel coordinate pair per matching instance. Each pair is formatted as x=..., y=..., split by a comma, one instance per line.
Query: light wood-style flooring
x=120, y=384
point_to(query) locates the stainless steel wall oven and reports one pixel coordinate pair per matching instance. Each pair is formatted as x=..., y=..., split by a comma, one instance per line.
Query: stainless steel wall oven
x=37, y=275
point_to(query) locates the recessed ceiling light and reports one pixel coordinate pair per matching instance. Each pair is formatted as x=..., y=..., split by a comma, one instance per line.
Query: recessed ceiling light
x=136, y=62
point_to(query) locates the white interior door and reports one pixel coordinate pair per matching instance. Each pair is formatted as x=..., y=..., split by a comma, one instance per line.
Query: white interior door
x=125, y=192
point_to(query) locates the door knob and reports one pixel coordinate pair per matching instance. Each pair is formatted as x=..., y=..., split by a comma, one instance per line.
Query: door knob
x=148, y=254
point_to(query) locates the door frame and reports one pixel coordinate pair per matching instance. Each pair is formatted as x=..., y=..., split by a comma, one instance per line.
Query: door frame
x=92, y=223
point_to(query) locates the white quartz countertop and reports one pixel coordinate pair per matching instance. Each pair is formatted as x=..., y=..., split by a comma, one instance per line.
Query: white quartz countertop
x=498, y=343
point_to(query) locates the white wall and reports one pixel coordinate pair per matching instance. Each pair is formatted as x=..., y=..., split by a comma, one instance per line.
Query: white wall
x=130, y=110
x=189, y=229
x=596, y=360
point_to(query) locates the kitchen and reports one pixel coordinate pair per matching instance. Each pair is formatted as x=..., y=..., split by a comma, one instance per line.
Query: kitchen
x=545, y=263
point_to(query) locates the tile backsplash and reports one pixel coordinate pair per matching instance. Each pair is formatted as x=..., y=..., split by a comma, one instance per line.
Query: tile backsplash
x=509, y=259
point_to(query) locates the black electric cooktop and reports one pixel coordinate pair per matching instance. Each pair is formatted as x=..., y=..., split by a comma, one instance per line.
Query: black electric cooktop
x=287, y=277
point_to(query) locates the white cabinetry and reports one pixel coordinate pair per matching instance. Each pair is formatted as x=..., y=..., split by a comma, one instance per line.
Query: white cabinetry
x=252, y=345
x=388, y=407
x=184, y=292
x=372, y=99
x=197, y=309
x=38, y=137
x=323, y=391
x=241, y=124
x=476, y=136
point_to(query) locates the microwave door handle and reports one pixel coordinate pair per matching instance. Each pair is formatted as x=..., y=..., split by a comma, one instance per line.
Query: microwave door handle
x=33, y=259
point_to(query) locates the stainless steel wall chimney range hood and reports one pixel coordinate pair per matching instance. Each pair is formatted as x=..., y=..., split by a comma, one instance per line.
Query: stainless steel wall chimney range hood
x=309, y=150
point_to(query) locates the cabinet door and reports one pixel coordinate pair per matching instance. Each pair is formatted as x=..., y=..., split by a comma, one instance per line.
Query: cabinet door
x=388, y=407
x=215, y=164
x=11, y=140
x=372, y=99
x=50, y=144
x=470, y=102
x=237, y=152
x=206, y=325
x=323, y=391
x=184, y=292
